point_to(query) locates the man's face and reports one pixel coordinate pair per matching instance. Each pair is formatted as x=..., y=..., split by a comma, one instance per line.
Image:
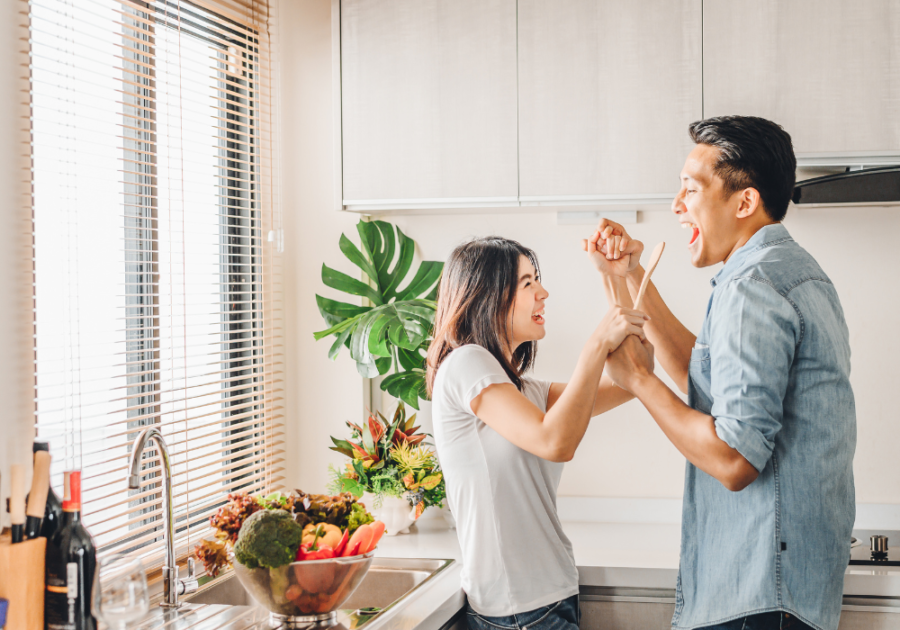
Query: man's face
x=703, y=208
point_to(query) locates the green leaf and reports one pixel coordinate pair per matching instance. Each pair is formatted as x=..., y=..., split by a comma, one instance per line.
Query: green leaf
x=385, y=245
x=343, y=447
x=407, y=386
x=378, y=341
x=335, y=312
x=431, y=481
x=404, y=262
x=337, y=328
x=383, y=365
x=427, y=274
x=342, y=282
x=411, y=359
x=352, y=486
x=357, y=258
x=340, y=341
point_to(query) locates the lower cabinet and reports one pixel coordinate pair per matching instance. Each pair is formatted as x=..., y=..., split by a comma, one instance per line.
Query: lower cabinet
x=633, y=609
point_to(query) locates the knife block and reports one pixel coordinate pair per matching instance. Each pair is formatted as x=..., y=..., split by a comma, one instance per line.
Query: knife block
x=22, y=582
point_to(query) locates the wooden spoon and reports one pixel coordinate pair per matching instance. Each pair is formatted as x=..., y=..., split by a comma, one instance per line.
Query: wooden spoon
x=654, y=260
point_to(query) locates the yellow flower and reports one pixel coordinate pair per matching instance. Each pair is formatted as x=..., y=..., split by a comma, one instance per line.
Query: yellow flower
x=412, y=458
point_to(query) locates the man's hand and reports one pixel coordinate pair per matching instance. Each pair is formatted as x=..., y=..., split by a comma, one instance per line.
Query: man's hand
x=612, y=251
x=632, y=361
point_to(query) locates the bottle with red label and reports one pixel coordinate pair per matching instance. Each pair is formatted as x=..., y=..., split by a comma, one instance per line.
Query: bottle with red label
x=70, y=564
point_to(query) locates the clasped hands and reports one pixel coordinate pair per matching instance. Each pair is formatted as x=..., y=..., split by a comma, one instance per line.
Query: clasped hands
x=616, y=256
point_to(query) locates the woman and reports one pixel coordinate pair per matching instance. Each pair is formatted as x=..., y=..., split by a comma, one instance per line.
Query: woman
x=502, y=437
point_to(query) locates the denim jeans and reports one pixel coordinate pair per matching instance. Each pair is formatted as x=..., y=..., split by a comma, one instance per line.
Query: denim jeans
x=765, y=621
x=563, y=615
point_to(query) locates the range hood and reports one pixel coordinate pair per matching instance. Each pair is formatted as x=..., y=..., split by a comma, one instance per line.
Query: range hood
x=868, y=185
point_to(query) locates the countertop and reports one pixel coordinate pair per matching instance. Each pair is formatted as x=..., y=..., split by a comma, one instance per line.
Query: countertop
x=624, y=555
x=616, y=555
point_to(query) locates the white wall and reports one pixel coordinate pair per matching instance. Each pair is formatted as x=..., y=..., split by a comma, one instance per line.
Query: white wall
x=623, y=454
x=16, y=420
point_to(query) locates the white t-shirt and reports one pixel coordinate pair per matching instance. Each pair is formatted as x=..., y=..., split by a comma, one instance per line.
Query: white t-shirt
x=515, y=555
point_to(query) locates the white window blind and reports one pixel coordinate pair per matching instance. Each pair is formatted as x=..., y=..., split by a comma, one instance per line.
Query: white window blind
x=156, y=280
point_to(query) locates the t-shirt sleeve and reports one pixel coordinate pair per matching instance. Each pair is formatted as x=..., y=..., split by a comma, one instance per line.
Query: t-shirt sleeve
x=470, y=369
x=752, y=343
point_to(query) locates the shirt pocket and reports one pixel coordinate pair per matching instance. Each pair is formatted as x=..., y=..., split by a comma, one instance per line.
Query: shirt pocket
x=700, y=352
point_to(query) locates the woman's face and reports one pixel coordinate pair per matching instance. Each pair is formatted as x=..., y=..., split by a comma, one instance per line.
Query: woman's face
x=527, y=316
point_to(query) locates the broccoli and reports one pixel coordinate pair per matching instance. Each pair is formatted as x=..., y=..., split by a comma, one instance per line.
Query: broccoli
x=268, y=538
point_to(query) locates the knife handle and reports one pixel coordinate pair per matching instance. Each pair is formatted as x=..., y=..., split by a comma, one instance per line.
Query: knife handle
x=37, y=500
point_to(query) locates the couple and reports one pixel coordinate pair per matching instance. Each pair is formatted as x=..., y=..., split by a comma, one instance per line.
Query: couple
x=769, y=430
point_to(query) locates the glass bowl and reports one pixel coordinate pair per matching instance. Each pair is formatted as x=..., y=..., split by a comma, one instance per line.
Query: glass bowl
x=311, y=590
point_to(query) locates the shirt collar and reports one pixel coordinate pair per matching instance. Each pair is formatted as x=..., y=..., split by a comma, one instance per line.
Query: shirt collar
x=764, y=237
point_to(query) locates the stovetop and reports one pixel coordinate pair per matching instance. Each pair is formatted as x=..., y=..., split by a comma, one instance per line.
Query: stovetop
x=861, y=553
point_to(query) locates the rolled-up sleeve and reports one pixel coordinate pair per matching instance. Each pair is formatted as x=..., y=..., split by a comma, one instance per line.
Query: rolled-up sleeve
x=752, y=342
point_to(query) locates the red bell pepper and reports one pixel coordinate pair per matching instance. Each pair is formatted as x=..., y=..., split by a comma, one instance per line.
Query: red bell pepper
x=339, y=550
x=322, y=553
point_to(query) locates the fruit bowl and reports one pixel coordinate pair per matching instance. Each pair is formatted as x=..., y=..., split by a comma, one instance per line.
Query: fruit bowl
x=307, y=591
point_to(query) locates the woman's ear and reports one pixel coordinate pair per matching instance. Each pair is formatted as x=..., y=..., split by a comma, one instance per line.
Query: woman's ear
x=749, y=203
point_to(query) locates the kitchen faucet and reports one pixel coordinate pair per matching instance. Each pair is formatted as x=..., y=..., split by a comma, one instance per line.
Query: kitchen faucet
x=172, y=586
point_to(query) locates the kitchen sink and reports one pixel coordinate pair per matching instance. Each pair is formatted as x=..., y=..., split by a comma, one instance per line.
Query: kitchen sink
x=388, y=582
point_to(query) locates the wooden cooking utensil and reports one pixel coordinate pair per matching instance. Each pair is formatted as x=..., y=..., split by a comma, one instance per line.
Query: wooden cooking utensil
x=654, y=260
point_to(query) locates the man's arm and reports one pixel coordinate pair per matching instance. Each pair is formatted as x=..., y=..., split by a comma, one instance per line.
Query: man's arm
x=673, y=342
x=693, y=433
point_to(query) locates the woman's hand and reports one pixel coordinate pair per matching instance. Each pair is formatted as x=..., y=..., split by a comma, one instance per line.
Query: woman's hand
x=612, y=250
x=619, y=323
x=631, y=362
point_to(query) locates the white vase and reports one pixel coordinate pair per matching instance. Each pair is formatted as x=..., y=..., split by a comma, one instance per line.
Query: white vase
x=396, y=513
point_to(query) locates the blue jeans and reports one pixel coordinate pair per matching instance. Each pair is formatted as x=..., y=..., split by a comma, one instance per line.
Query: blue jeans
x=764, y=621
x=563, y=615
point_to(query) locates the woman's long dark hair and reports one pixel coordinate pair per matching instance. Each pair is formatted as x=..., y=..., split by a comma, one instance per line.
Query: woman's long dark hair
x=475, y=298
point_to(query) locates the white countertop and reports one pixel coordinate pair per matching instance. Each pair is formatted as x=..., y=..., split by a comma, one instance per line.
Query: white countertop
x=639, y=555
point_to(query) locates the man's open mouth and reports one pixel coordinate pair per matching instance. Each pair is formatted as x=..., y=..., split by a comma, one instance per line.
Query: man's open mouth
x=695, y=231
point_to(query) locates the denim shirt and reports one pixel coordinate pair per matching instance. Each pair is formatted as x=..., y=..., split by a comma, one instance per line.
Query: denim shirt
x=772, y=366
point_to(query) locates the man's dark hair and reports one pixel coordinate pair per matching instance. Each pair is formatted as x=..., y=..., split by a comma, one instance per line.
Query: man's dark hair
x=753, y=153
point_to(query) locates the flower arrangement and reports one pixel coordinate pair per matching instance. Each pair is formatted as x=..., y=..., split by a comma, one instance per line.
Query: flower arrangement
x=389, y=458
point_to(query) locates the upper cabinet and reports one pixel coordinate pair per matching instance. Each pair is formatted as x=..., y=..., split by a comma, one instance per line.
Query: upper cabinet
x=428, y=103
x=606, y=92
x=828, y=71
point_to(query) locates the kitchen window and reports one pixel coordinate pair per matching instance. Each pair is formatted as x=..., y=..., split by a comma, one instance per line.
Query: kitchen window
x=156, y=256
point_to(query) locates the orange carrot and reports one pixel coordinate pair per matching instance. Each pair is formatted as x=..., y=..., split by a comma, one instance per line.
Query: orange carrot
x=377, y=533
x=359, y=541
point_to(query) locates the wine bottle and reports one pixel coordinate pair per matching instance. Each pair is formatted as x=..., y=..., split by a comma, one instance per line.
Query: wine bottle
x=53, y=510
x=70, y=564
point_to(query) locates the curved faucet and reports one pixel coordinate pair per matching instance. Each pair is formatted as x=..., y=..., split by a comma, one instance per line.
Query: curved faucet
x=172, y=586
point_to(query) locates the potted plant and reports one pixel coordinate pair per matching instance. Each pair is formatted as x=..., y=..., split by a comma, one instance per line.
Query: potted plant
x=389, y=336
x=390, y=462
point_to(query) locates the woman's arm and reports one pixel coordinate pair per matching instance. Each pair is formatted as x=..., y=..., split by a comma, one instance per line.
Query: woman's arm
x=609, y=395
x=556, y=434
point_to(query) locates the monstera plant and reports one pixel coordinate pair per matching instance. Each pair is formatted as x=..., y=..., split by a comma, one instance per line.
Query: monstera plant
x=390, y=335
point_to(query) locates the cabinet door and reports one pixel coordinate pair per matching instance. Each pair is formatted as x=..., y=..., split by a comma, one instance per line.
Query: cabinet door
x=428, y=99
x=606, y=92
x=828, y=71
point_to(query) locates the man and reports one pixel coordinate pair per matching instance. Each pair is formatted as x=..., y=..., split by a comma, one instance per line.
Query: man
x=769, y=430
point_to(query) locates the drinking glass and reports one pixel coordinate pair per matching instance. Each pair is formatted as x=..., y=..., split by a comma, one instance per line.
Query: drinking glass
x=120, y=591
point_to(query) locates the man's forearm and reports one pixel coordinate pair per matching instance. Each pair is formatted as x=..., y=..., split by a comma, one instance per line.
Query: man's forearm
x=694, y=434
x=672, y=341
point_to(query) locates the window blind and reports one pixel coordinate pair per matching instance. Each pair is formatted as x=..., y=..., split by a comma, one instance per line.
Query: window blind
x=156, y=264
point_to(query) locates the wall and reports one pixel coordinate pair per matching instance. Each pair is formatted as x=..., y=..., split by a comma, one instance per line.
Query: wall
x=16, y=420
x=623, y=454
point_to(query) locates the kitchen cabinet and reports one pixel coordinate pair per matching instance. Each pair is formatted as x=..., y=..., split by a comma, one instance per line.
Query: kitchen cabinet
x=828, y=71
x=428, y=102
x=606, y=92
x=626, y=613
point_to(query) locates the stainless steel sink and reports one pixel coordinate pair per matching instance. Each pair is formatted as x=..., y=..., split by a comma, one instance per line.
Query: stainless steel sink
x=388, y=582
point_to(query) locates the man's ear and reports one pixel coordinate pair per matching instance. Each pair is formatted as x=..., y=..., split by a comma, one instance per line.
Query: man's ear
x=749, y=203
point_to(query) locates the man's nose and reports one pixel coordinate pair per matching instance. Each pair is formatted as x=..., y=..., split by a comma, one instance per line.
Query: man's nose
x=678, y=203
